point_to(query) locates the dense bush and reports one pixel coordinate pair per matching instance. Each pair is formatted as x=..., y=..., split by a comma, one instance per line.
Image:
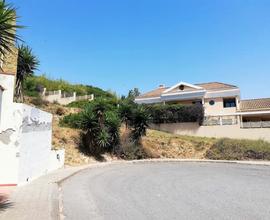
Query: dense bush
x=100, y=124
x=232, y=149
x=35, y=84
x=176, y=113
x=83, y=103
x=100, y=121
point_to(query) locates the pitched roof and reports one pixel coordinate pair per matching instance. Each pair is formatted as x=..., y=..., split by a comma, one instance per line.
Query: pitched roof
x=152, y=94
x=255, y=104
x=212, y=86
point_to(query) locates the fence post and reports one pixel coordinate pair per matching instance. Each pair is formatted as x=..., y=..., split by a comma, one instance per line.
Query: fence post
x=74, y=96
x=59, y=94
x=44, y=92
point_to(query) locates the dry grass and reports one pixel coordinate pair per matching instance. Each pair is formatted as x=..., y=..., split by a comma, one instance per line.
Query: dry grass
x=164, y=145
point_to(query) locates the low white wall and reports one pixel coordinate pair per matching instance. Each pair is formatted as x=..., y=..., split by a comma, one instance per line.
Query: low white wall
x=28, y=136
x=35, y=143
x=52, y=98
x=9, y=163
x=66, y=100
x=57, y=159
x=229, y=131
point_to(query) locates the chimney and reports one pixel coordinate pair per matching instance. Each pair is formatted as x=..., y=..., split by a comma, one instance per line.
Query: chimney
x=161, y=86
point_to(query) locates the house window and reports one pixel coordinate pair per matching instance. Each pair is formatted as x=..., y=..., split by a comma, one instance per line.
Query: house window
x=211, y=102
x=229, y=103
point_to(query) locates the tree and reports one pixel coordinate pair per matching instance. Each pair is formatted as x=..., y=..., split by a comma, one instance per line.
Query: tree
x=7, y=28
x=133, y=93
x=27, y=64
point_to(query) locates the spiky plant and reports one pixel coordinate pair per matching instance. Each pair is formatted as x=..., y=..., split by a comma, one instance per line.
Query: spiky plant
x=8, y=28
x=139, y=123
x=27, y=64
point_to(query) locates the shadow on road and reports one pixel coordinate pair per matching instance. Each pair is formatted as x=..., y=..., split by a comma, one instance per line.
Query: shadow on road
x=4, y=203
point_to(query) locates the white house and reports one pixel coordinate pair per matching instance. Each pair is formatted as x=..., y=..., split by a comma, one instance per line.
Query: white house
x=226, y=115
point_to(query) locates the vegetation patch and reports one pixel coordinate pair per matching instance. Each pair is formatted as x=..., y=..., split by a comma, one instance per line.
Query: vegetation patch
x=176, y=113
x=232, y=149
x=33, y=85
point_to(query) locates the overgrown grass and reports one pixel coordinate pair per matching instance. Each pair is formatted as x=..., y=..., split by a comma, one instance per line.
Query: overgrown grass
x=35, y=84
x=232, y=149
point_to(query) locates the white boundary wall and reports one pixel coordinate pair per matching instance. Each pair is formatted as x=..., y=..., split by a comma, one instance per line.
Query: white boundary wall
x=25, y=143
x=229, y=131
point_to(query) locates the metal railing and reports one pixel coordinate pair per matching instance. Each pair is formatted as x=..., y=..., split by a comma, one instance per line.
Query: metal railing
x=256, y=124
x=220, y=120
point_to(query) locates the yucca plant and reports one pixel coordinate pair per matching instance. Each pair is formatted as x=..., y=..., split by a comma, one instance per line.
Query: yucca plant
x=100, y=124
x=8, y=28
x=27, y=64
x=139, y=123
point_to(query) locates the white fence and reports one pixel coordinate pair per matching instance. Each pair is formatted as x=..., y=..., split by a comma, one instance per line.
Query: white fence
x=64, y=98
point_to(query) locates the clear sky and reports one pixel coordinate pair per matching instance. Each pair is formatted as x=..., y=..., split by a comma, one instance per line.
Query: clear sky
x=122, y=44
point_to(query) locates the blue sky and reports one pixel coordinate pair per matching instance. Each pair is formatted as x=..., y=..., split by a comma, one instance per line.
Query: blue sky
x=122, y=44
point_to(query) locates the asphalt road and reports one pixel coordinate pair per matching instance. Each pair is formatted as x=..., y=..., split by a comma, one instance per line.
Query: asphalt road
x=183, y=190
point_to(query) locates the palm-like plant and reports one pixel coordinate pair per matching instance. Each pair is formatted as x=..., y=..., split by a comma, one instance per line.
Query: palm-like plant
x=101, y=127
x=7, y=28
x=139, y=123
x=27, y=64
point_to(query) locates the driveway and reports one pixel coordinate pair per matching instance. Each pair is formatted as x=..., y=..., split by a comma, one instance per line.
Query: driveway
x=168, y=190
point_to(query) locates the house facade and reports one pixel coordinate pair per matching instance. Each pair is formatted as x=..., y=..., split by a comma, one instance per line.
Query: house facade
x=222, y=103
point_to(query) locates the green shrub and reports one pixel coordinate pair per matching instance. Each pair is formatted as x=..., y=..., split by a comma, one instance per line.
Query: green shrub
x=35, y=84
x=231, y=149
x=71, y=120
x=100, y=124
x=176, y=113
x=78, y=104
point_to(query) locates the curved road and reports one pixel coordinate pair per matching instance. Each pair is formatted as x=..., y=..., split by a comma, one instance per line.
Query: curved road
x=169, y=190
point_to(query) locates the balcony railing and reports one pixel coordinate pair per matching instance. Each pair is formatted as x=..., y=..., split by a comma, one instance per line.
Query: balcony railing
x=215, y=120
x=256, y=124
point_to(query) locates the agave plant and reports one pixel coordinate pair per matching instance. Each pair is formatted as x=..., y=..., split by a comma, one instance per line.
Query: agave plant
x=27, y=64
x=8, y=28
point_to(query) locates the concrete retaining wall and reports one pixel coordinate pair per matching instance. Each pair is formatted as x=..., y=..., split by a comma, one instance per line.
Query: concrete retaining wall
x=229, y=131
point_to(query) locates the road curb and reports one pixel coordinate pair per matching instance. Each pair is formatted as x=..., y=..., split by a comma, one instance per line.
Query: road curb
x=104, y=164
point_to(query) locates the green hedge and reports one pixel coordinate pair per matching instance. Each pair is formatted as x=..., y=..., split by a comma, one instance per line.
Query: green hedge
x=176, y=113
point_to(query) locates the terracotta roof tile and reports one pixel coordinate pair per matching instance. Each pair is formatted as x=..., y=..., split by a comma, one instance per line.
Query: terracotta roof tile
x=216, y=86
x=255, y=104
x=211, y=86
x=154, y=93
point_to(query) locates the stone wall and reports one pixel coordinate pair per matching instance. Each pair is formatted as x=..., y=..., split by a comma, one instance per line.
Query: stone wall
x=9, y=65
